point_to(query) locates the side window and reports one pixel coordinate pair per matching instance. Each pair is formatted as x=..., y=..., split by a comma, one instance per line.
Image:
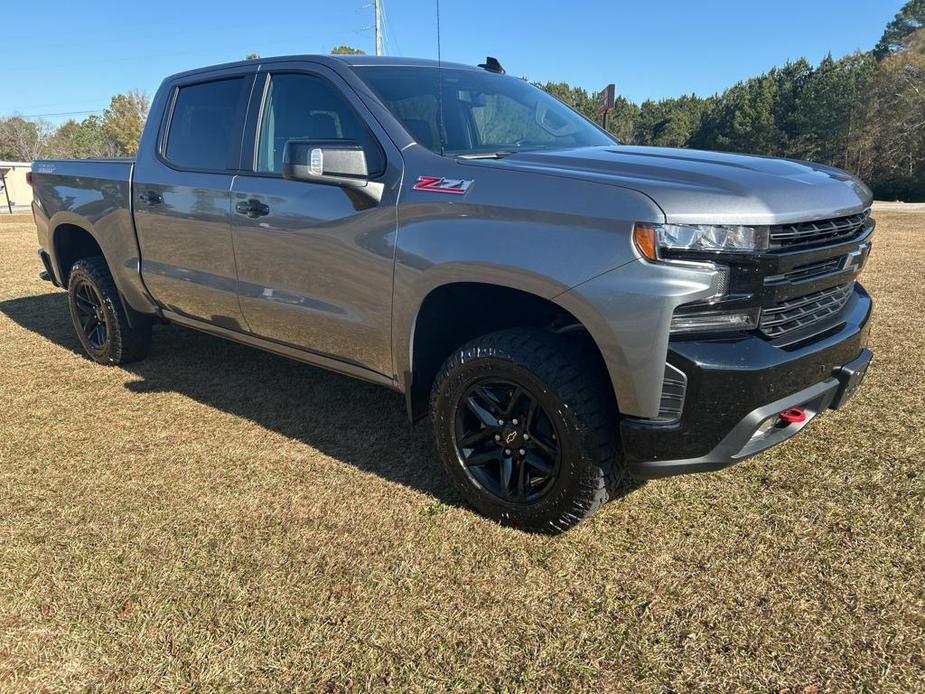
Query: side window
x=303, y=107
x=206, y=125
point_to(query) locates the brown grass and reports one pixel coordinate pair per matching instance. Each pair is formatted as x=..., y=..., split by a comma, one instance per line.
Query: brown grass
x=218, y=518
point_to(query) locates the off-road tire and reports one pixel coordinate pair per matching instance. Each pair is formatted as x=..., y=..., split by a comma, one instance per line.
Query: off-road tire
x=124, y=342
x=564, y=376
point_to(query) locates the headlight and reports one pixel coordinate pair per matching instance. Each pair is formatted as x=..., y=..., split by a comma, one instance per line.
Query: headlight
x=652, y=239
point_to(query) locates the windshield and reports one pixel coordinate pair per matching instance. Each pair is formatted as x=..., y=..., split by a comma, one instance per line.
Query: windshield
x=483, y=112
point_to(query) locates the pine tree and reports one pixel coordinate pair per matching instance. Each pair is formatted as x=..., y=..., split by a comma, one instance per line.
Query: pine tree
x=906, y=22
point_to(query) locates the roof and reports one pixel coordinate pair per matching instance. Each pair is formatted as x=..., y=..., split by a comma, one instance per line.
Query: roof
x=351, y=60
x=394, y=61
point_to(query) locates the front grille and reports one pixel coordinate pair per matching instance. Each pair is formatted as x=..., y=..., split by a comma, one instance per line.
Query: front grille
x=818, y=231
x=803, y=311
x=810, y=271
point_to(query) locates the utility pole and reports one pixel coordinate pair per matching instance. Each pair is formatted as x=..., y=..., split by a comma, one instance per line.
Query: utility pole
x=378, y=5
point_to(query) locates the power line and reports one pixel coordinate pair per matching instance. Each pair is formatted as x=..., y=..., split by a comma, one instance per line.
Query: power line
x=239, y=45
x=63, y=113
x=391, y=38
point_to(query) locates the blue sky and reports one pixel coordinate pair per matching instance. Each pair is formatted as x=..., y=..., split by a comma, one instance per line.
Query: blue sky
x=79, y=54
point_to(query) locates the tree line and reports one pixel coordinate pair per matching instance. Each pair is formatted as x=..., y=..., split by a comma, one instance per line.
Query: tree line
x=113, y=133
x=864, y=112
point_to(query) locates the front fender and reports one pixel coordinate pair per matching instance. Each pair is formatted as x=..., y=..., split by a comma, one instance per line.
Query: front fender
x=535, y=233
x=628, y=313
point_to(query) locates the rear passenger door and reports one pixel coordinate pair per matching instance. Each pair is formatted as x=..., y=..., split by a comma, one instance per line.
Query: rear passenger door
x=182, y=195
x=315, y=267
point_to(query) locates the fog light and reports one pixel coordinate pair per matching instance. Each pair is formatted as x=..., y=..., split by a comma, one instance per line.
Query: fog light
x=712, y=321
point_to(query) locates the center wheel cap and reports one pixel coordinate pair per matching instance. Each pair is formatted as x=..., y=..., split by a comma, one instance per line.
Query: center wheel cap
x=511, y=438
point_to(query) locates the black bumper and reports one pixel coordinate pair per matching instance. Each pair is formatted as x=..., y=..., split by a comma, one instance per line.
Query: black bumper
x=736, y=384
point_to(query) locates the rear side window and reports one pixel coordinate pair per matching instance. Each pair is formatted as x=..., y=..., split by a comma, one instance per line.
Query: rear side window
x=206, y=125
x=303, y=107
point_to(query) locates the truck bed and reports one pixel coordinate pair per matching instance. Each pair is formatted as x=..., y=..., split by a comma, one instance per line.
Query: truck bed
x=70, y=195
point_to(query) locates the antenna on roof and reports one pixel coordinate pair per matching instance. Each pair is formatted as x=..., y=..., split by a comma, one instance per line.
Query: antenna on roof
x=440, y=123
x=492, y=65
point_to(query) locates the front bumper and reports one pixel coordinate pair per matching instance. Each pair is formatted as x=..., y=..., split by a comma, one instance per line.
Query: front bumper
x=735, y=384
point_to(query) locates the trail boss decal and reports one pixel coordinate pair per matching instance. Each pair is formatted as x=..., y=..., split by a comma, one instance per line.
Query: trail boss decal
x=456, y=186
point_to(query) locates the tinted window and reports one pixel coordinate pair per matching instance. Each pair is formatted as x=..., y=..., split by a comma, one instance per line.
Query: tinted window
x=482, y=111
x=206, y=125
x=303, y=107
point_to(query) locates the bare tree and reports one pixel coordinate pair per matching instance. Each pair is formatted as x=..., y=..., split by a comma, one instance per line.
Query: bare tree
x=23, y=139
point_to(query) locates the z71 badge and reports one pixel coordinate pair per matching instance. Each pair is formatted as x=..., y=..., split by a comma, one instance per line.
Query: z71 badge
x=455, y=186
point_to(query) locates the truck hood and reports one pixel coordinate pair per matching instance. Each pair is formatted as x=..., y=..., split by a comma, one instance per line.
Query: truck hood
x=698, y=187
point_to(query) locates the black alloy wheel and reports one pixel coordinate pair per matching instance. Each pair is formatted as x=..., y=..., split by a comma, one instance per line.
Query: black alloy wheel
x=91, y=315
x=109, y=331
x=506, y=441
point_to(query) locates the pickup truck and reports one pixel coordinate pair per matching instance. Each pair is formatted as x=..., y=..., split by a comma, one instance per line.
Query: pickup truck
x=568, y=309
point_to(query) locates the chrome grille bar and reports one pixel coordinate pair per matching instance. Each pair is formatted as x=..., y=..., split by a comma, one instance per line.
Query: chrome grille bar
x=818, y=231
x=794, y=314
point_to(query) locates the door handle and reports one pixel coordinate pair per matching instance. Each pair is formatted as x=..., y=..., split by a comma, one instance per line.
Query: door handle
x=149, y=197
x=252, y=208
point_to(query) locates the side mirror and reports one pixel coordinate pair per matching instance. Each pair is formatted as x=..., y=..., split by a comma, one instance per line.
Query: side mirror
x=332, y=162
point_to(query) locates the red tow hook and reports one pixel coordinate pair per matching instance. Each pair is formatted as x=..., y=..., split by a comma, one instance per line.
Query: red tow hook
x=794, y=415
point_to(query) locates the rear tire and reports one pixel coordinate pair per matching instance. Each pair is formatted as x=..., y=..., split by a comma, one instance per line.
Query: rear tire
x=99, y=317
x=527, y=430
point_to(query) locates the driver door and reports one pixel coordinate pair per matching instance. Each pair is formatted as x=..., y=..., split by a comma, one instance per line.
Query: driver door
x=315, y=261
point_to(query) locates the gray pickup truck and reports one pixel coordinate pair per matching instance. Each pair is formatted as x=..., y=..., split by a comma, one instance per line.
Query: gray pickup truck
x=567, y=308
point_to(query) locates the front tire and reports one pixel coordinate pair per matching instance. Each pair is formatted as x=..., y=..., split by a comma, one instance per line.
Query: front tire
x=526, y=429
x=99, y=317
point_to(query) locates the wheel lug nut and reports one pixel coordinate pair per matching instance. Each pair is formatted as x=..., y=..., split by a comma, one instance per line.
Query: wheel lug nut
x=497, y=437
x=522, y=451
x=526, y=437
x=500, y=422
x=514, y=422
x=507, y=451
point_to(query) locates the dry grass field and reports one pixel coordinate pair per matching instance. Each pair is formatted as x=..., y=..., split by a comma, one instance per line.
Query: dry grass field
x=219, y=518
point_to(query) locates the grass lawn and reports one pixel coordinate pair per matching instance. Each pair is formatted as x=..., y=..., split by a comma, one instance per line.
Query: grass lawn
x=215, y=517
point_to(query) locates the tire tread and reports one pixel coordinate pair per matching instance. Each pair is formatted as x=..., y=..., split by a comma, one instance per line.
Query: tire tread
x=564, y=365
x=128, y=343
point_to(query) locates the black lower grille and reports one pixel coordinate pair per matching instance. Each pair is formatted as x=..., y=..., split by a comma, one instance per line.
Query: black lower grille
x=818, y=231
x=803, y=311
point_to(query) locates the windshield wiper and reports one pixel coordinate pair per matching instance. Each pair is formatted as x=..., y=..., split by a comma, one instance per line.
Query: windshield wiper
x=486, y=155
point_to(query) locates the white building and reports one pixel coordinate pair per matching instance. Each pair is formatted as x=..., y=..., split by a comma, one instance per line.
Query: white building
x=14, y=185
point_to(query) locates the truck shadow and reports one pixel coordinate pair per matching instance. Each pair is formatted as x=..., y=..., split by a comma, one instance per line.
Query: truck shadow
x=358, y=423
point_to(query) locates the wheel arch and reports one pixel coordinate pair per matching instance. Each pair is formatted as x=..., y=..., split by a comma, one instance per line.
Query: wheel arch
x=453, y=313
x=71, y=242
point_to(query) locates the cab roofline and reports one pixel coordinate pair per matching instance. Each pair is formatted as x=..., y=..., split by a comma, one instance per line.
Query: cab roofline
x=350, y=61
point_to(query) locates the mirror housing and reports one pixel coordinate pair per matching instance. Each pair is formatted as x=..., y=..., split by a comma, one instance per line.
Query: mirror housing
x=331, y=162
